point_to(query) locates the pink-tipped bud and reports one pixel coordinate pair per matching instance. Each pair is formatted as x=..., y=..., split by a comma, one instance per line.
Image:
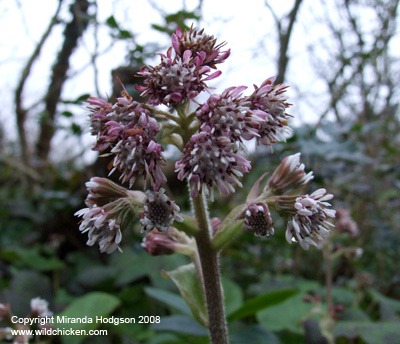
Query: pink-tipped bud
x=164, y=243
x=289, y=175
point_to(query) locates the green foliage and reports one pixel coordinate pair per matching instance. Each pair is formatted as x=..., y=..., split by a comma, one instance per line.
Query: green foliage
x=262, y=302
x=91, y=305
x=370, y=333
x=186, y=279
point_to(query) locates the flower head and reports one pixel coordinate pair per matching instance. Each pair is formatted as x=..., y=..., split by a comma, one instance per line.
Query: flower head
x=40, y=308
x=103, y=191
x=99, y=109
x=175, y=80
x=258, y=220
x=101, y=228
x=138, y=154
x=345, y=224
x=289, y=175
x=171, y=241
x=226, y=115
x=309, y=224
x=116, y=209
x=209, y=161
x=125, y=114
x=268, y=103
x=200, y=43
x=159, y=211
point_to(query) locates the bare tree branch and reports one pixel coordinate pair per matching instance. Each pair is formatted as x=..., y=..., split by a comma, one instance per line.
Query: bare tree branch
x=284, y=38
x=21, y=112
x=73, y=31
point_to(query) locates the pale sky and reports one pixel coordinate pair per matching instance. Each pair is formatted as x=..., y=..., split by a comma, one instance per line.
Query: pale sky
x=246, y=26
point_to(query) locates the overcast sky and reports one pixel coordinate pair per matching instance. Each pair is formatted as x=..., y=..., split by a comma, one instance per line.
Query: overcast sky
x=246, y=26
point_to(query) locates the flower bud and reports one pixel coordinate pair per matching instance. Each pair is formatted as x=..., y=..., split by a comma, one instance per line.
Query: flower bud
x=164, y=243
x=289, y=175
x=103, y=191
x=345, y=223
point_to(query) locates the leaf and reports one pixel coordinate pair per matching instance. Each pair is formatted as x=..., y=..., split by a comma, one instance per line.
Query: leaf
x=226, y=234
x=189, y=225
x=159, y=28
x=228, y=227
x=388, y=308
x=111, y=22
x=254, y=334
x=287, y=315
x=32, y=258
x=169, y=299
x=261, y=302
x=66, y=114
x=124, y=34
x=76, y=129
x=86, y=307
x=185, y=278
x=233, y=295
x=130, y=266
x=253, y=194
x=180, y=324
x=371, y=333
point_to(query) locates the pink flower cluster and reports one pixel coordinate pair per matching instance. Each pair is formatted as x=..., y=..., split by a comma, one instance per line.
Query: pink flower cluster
x=131, y=134
x=208, y=160
x=309, y=225
x=176, y=79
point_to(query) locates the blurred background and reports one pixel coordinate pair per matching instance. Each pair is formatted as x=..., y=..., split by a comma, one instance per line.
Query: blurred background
x=341, y=60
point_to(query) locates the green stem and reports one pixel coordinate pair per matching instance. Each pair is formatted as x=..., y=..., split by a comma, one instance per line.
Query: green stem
x=211, y=275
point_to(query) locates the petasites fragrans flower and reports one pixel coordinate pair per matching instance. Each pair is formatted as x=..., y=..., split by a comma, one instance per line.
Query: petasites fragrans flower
x=131, y=133
x=175, y=80
x=99, y=110
x=289, y=175
x=200, y=43
x=309, y=223
x=209, y=161
x=226, y=116
x=258, y=220
x=138, y=154
x=115, y=210
x=159, y=211
x=40, y=308
x=168, y=242
x=268, y=102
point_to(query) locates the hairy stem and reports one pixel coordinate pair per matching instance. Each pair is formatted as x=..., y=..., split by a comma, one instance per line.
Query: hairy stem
x=211, y=274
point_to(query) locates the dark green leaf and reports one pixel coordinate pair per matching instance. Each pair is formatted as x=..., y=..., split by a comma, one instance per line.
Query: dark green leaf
x=287, y=315
x=169, y=299
x=76, y=129
x=371, y=333
x=159, y=28
x=180, y=324
x=185, y=278
x=66, y=114
x=123, y=34
x=253, y=335
x=91, y=305
x=111, y=22
x=261, y=302
x=233, y=295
